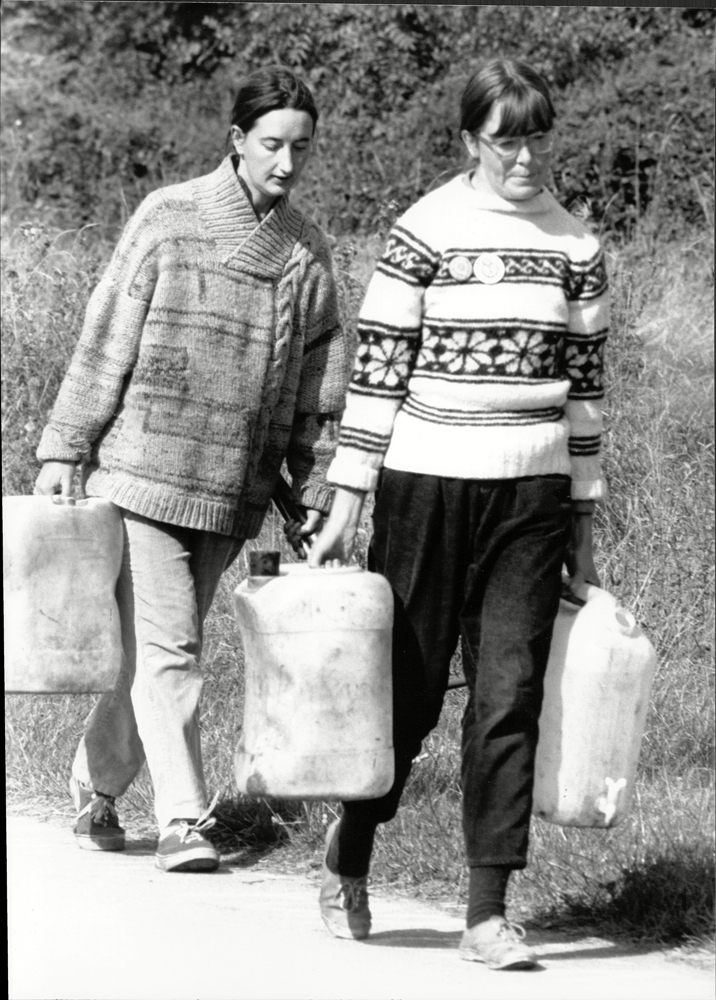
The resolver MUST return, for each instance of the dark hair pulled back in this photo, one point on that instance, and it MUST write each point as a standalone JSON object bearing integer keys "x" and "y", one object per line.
{"x": 270, "y": 89}
{"x": 522, "y": 91}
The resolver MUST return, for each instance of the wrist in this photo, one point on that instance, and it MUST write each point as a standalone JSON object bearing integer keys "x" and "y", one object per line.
{"x": 348, "y": 505}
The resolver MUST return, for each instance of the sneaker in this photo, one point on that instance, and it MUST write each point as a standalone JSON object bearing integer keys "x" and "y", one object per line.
{"x": 184, "y": 848}
{"x": 499, "y": 944}
{"x": 344, "y": 900}
{"x": 97, "y": 827}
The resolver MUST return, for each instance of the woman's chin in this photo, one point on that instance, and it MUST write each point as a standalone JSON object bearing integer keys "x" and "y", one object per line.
{"x": 522, "y": 190}
{"x": 278, "y": 188}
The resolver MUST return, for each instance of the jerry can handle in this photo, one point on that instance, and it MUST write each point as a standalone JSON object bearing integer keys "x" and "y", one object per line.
{"x": 64, "y": 501}
{"x": 569, "y": 597}
{"x": 289, "y": 509}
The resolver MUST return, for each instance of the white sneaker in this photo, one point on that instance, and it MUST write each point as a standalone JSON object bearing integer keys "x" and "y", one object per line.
{"x": 499, "y": 944}
{"x": 344, "y": 900}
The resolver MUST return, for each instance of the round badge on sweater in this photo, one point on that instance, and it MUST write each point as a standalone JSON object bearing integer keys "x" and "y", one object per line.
{"x": 489, "y": 268}
{"x": 460, "y": 268}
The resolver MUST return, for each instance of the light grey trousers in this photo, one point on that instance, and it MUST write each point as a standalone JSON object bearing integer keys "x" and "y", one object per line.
{"x": 168, "y": 580}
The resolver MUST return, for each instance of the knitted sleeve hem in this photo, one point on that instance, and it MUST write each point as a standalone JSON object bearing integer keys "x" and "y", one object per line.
{"x": 53, "y": 448}
{"x": 345, "y": 472}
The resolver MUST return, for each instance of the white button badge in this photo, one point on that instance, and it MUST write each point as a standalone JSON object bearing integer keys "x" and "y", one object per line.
{"x": 460, "y": 268}
{"x": 489, "y": 268}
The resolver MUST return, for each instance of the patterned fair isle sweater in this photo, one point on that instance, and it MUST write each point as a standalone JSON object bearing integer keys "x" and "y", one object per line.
{"x": 211, "y": 350}
{"x": 480, "y": 346}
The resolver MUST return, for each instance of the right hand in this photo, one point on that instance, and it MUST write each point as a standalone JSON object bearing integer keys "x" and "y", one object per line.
{"x": 300, "y": 534}
{"x": 334, "y": 545}
{"x": 55, "y": 477}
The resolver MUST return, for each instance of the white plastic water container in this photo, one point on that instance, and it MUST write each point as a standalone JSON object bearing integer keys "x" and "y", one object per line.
{"x": 318, "y": 700}
{"x": 596, "y": 698}
{"x": 61, "y": 563}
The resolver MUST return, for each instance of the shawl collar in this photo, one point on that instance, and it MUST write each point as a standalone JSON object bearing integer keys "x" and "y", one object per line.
{"x": 245, "y": 244}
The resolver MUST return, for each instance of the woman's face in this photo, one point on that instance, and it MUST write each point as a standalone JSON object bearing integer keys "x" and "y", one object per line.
{"x": 516, "y": 177}
{"x": 273, "y": 153}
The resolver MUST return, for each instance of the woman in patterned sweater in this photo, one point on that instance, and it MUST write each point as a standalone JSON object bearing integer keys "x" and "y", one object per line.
{"x": 475, "y": 410}
{"x": 210, "y": 351}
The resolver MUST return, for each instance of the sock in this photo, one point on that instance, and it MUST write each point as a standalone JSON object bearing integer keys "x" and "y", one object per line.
{"x": 351, "y": 847}
{"x": 486, "y": 894}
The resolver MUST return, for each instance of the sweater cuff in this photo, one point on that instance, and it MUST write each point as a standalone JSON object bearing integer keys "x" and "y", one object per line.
{"x": 344, "y": 471}
{"x": 52, "y": 448}
{"x": 588, "y": 489}
{"x": 317, "y": 497}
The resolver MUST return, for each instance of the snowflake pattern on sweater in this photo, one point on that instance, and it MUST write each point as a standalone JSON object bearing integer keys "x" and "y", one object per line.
{"x": 481, "y": 346}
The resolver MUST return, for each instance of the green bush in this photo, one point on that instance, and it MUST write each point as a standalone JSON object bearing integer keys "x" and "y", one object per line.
{"x": 636, "y": 143}
{"x": 103, "y": 102}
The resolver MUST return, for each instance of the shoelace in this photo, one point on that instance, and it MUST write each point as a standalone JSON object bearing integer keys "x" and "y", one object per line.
{"x": 355, "y": 893}
{"x": 188, "y": 832}
{"x": 511, "y": 931}
{"x": 101, "y": 809}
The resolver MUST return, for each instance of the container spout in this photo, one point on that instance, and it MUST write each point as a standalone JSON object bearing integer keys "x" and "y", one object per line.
{"x": 607, "y": 804}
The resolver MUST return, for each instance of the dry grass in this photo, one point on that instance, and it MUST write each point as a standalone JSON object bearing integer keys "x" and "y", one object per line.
{"x": 650, "y": 877}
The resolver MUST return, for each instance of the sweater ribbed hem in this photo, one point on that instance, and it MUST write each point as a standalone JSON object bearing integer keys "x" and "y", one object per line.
{"x": 160, "y": 503}
{"x": 469, "y": 452}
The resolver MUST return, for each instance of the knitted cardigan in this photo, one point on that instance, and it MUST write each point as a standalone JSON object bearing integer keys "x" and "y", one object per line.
{"x": 211, "y": 350}
{"x": 481, "y": 344}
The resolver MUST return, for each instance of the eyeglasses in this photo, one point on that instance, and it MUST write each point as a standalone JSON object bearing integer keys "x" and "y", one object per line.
{"x": 538, "y": 144}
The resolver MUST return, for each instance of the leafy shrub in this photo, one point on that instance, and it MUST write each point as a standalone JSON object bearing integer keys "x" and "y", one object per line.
{"x": 637, "y": 142}
{"x": 105, "y": 102}
{"x": 76, "y": 153}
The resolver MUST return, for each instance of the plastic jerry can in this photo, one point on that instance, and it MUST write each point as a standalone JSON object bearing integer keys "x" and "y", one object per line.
{"x": 596, "y": 698}
{"x": 61, "y": 562}
{"x": 318, "y": 700}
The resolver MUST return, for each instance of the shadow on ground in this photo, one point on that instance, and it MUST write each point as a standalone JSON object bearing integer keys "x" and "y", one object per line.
{"x": 415, "y": 937}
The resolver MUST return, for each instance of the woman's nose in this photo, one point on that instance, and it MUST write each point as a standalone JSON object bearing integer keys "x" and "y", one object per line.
{"x": 525, "y": 154}
{"x": 285, "y": 160}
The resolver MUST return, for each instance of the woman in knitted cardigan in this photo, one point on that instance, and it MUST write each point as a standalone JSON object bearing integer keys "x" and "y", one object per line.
{"x": 475, "y": 407}
{"x": 211, "y": 351}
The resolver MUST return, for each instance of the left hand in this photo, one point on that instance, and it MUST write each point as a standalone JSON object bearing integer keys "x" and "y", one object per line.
{"x": 298, "y": 533}
{"x": 580, "y": 556}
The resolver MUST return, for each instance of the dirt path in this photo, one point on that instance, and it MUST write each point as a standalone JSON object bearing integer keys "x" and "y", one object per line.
{"x": 90, "y": 926}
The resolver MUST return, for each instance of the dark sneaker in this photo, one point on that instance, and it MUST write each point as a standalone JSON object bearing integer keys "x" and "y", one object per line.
{"x": 499, "y": 944}
{"x": 184, "y": 848}
{"x": 344, "y": 900}
{"x": 97, "y": 827}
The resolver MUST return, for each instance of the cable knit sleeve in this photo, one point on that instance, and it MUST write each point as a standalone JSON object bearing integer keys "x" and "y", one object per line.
{"x": 586, "y": 336}
{"x": 107, "y": 348}
{"x": 322, "y": 386}
{"x": 389, "y": 329}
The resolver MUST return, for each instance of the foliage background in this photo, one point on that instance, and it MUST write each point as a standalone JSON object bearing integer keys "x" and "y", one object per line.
{"x": 103, "y": 102}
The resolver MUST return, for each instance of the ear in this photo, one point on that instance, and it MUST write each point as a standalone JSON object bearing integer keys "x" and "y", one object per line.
{"x": 471, "y": 144}
{"x": 238, "y": 138}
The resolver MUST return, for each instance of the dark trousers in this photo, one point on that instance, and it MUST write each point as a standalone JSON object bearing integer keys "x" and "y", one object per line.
{"x": 480, "y": 561}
